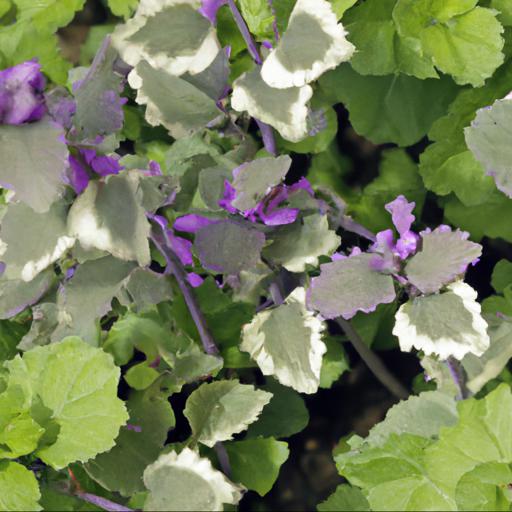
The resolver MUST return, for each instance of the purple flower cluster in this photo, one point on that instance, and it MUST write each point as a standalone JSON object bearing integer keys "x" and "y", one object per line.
{"x": 21, "y": 93}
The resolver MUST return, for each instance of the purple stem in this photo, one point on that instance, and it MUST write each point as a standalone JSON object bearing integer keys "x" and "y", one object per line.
{"x": 103, "y": 503}
{"x": 274, "y": 22}
{"x": 223, "y": 457}
{"x": 275, "y": 293}
{"x": 266, "y": 131}
{"x": 246, "y": 34}
{"x": 457, "y": 374}
{"x": 267, "y": 135}
{"x": 176, "y": 269}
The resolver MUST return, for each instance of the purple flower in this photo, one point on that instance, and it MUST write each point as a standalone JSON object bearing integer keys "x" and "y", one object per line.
{"x": 61, "y": 106}
{"x": 194, "y": 279}
{"x": 102, "y": 164}
{"x": 402, "y": 217}
{"x": 209, "y": 9}
{"x": 21, "y": 93}
{"x": 192, "y": 223}
{"x": 77, "y": 174}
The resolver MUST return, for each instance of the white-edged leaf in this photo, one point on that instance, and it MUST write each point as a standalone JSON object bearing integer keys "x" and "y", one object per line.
{"x": 187, "y": 482}
{"x": 488, "y": 139}
{"x": 284, "y": 109}
{"x": 169, "y": 34}
{"x": 347, "y": 286}
{"x": 220, "y": 409}
{"x": 45, "y": 239}
{"x": 313, "y": 43}
{"x": 34, "y": 160}
{"x": 171, "y": 101}
{"x": 446, "y": 324}
{"x": 109, "y": 217}
{"x": 444, "y": 255}
{"x": 298, "y": 245}
{"x": 286, "y": 342}
{"x": 254, "y": 180}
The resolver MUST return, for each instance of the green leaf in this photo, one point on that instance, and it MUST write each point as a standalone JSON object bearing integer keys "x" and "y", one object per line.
{"x": 505, "y": 11}
{"x": 286, "y": 342}
{"x": 44, "y": 321}
{"x": 344, "y": 498}
{"x": 487, "y": 141}
{"x": 461, "y": 39}
{"x": 392, "y": 108}
{"x": 184, "y": 112}
{"x": 151, "y": 417}
{"x": 300, "y": 244}
{"x": 252, "y": 180}
{"x": 255, "y": 463}
{"x": 10, "y": 335}
{"x": 45, "y": 239}
{"x": 146, "y": 288}
{"x": 77, "y": 385}
{"x": 334, "y": 363}
{"x": 34, "y": 160}
{"x": 479, "y": 437}
{"x": 421, "y": 415}
{"x": 349, "y": 285}
{"x": 141, "y": 376}
{"x": 398, "y": 174}
{"x": 395, "y": 476}
{"x": 285, "y": 415}
{"x": 220, "y": 409}
{"x": 258, "y": 16}
{"x": 187, "y": 482}
{"x": 123, "y": 8}
{"x": 87, "y": 296}
{"x": 446, "y": 324}
{"x": 110, "y": 218}
{"x": 501, "y": 275}
{"x": 47, "y": 15}
{"x": 380, "y": 49}
{"x": 228, "y": 247}
{"x": 19, "y": 490}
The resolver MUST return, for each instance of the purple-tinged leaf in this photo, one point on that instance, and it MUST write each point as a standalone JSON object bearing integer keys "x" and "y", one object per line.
{"x": 21, "y": 98}
{"x": 444, "y": 255}
{"x": 192, "y": 223}
{"x": 228, "y": 247}
{"x": 61, "y": 106}
{"x": 99, "y": 106}
{"x": 347, "y": 286}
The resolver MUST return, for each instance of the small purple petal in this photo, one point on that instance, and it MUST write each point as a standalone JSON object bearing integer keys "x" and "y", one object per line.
{"x": 192, "y": 223}
{"x": 133, "y": 428}
{"x": 153, "y": 169}
{"x": 302, "y": 184}
{"x": 21, "y": 98}
{"x": 181, "y": 247}
{"x": 78, "y": 177}
{"x": 280, "y": 217}
{"x": 407, "y": 245}
{"x": 102, "y": 164}
{"x": 194, "y": 279}
{"x": 401, "y": 214}
{"x": 209, "y": 9}
{"x": 228, "y": 198}
{"x": 61, "y": 106}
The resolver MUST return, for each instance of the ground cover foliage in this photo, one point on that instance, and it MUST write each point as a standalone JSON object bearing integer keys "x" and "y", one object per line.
{"x": 215, "y": 213}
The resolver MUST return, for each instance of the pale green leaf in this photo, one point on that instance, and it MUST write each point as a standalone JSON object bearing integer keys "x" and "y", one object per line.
{"x": 218, "y": 410}
{"x": 123, "y": 8}
{"x": 344, "y": 498}
{"x": 34, "y": 158}
{"x": 47, "y": 15}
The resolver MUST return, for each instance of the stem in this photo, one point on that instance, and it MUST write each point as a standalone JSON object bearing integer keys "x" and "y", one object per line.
{"x": 175, "y": 267}
{"x": 246, "y": 34}
{"x": 267, "y": 133}
{"x": 373, "y": 362}
{"x": 223, "y": 457}
{"x": 276, "y": 294}
{"x": 274, "y": 22}
{"x": 103, "y": 503}
{"x": 458, "y": 376}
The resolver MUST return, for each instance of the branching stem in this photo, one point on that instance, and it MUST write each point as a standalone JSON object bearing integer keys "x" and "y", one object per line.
{"x": 373, "y": 362}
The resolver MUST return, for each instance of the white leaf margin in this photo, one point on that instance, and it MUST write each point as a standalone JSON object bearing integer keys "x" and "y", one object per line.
{"x": 189, "y": 461}
{"x": 253, "y": 342}
{"x": 132, "y": 53}
{"x": 476, "y": 344}
{"x": 276, "y": 75}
